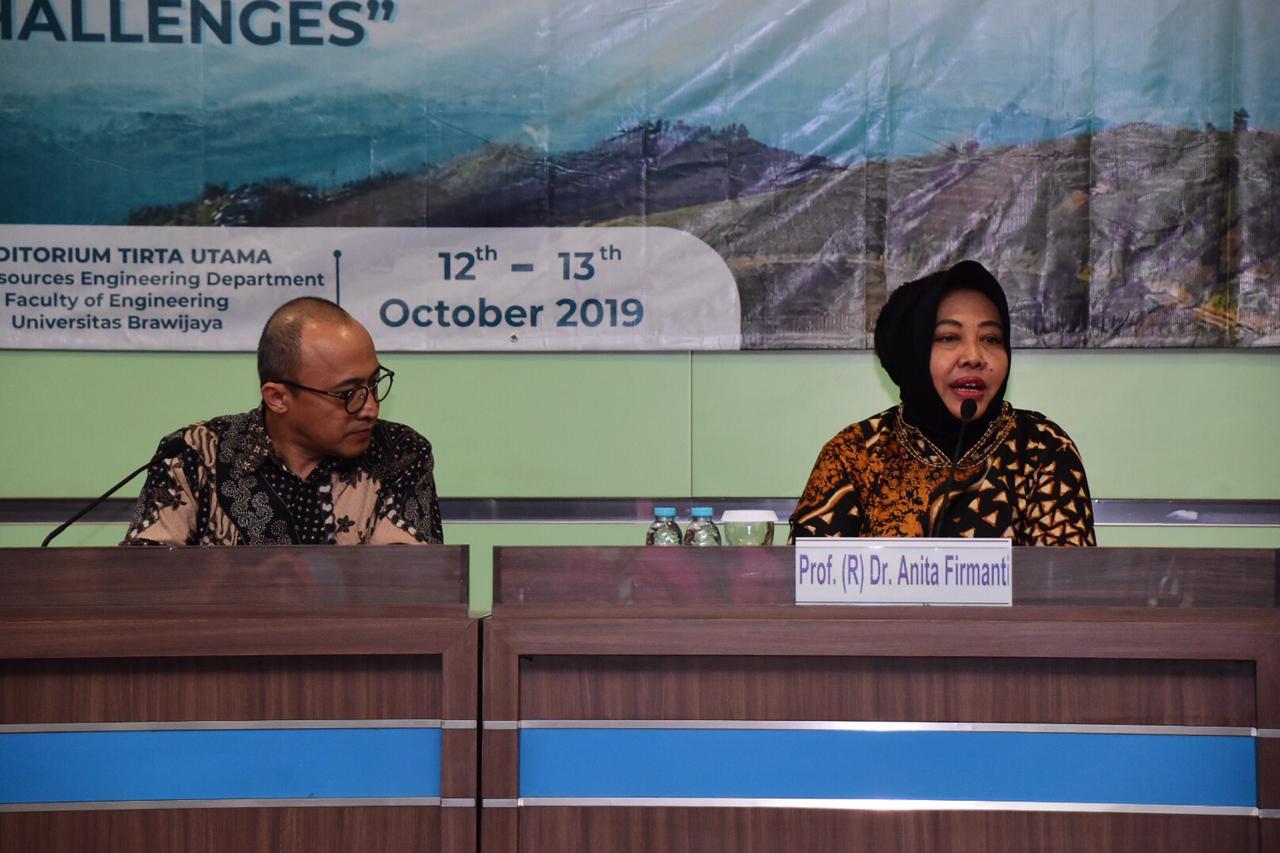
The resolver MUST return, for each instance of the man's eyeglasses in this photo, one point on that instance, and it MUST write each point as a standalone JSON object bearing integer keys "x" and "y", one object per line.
{"x": 354, "y": 399}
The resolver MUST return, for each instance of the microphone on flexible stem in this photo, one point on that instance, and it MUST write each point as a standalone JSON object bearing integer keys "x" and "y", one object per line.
{"x": 968, "y": 409}
{"x": 94, "y": 504}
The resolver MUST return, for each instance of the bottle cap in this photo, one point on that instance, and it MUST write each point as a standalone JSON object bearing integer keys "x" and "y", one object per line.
{"x": 664, "y": 512}
{"x": 700, "y": 512}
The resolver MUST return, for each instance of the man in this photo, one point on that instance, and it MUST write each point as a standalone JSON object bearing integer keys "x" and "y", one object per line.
{"x": 311, "y": 465}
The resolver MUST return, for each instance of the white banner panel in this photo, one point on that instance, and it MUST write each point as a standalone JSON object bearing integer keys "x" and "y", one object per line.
{"x": 415, "y": 289}
{"x": 904, "y": 571}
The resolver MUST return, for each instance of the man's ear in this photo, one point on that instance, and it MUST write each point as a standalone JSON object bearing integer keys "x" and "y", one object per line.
{"x": 276, "y": 397}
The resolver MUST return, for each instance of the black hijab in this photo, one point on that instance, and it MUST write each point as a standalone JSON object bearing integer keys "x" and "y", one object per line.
{"x": 904, "y": 342}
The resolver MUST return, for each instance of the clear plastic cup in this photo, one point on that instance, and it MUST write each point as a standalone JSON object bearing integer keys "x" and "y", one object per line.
{"x": 748, "y": 526}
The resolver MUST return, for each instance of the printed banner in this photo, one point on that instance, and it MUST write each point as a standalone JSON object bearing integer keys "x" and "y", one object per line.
{"x": 146, "y": 288}
{"x": 1114, "y": 164}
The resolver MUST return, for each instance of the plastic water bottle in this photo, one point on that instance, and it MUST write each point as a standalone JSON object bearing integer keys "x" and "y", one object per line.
{"x": 664, "y": 530}
{"x": 702, "y": 530}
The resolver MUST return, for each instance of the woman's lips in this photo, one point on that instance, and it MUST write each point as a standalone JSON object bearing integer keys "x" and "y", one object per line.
{"x": 969, "y": 387}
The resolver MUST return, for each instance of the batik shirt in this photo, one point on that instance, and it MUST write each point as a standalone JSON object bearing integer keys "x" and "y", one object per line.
{"x": 1023, "y": 480}
{"x": 221, "y": 482}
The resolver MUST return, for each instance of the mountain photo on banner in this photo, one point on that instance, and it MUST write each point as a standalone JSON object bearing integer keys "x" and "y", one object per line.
{"x": 1115, "y": 165}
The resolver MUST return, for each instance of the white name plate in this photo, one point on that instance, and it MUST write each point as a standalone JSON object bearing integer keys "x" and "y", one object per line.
{"x": 904, "y": 571}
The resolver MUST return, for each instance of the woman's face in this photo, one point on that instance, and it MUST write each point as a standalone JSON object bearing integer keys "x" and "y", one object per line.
{"x": 968, "y": 361}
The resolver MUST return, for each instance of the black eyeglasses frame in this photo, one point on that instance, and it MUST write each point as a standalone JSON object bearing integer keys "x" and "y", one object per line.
{"x": 352, "y": 393}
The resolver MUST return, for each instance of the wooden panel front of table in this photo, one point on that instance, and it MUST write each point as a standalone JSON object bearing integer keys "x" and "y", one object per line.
{"x": 191, "y": 664}
{"x": 594, "y": 642}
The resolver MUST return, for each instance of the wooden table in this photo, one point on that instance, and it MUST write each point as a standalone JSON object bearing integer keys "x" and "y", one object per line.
{"x": 239, "y": 699}
{"x": 660, "y": 699}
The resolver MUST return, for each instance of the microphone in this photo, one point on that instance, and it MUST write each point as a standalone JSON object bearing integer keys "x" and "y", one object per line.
{"x": 968, "y": 409}
{"x": 94, "y": 504}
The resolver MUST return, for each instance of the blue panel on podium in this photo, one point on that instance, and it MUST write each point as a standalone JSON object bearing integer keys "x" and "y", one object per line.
{"x": 103, "y": 766}
{"x": 1039, "y": 767}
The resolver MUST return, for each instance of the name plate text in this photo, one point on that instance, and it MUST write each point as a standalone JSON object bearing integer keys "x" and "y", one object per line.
{"x": 904, "y": 571}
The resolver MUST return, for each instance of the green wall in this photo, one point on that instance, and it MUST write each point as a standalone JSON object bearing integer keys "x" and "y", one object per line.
{"x": 1150, "y": 424}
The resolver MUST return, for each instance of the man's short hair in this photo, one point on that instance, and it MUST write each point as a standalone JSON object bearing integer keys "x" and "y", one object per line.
{"x": 280, "y": 347}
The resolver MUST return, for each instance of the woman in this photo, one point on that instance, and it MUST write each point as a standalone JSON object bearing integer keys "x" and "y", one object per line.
{"x": 953, "y": 458}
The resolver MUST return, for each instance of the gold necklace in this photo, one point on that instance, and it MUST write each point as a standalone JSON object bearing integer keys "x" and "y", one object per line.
{"x": 908, "y": 434}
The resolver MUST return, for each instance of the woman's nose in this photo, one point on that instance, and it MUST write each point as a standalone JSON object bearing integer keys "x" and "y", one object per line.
{"x": 971, "y": 353}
